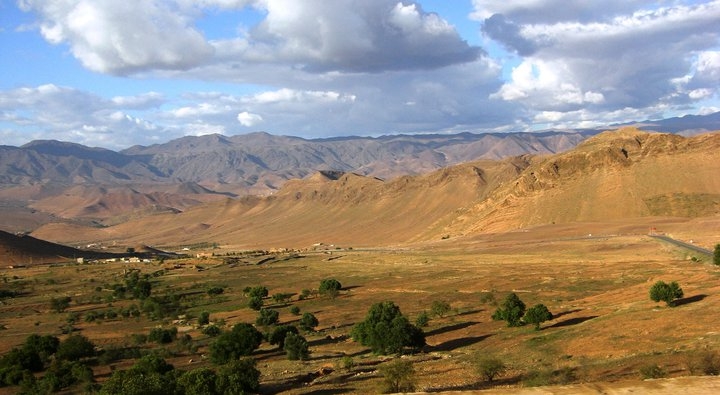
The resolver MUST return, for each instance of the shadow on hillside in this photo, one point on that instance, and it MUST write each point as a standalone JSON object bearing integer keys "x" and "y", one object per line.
{"x": 450, "y": 328}
{"x": 558, "y": 315}
{"x": 327, "y": 340}
{"x": 690, "y": 299}
{"x": 571, "y": 321}
{"x": 479, "y": 385}
{"x": 331, "y": 391}
{"x": 469, "y": 312}
{"x": 350, "y": 287}
{"x": 457, "y": 343}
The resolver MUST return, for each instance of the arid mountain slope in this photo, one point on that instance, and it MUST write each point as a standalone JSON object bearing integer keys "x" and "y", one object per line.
{"x": 625, "y": 174}
{"x": 614, "y": 175}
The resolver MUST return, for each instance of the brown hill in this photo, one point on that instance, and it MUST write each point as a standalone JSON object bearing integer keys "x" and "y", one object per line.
{"x": 27, "y": 250}
{"x": 615, "y": 176}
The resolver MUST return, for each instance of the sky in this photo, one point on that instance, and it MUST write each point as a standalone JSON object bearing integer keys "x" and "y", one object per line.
{"x": 116, "y": 73}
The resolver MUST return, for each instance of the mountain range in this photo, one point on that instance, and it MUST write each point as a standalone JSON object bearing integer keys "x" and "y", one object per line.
{"x": 46, "y": 182}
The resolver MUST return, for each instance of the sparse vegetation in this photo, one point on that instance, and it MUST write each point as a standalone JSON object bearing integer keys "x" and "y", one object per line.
{"x": 652, "y": 371}
{"x": 59, "y": 305}
{"x": 423, "y": 319}
{"x": 439, "y": 308}
{"x": 488, "y": 367}
{"x": 398, "y": 376}
{"x": 668, "y": 293}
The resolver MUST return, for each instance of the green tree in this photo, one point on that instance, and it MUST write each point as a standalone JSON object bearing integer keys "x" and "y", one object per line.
{"x": 258, "y": 291}
{"x": 267, "y": 317}
{"x": 308, "y": 322}
{"x": 277, "y": 337}
{"x": 200, "y": 381}
{"x": 423, "y": 319}
{"x": 162, "y": 336}
{"x": 150, "y": 375}
{"x": 662, "y": 291}
{"x": 255, "y": 302}
{"x": 329, "y": 287}
{"x": 386, "y": 331}
{"x": 511, "y": 310}
{"x": 716, "y": 255}
{"x": 238, "y": 377}
{"x": 296, "y": 347}
{"x": 242, "y": 340}
{"x": 537, "y": 314}
{"x": 439, "y": 308}
{"x": 75, "y": 347}
{"x": 295, "y": 310}
{"x": 489, "y": 368}
{"x": 398, "y": 376}
{"x": 204, "y": 318}
{"x": 59, "y": 305}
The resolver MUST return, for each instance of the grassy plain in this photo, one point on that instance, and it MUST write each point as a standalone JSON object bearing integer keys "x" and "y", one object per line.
{"x": 605, "y": 328}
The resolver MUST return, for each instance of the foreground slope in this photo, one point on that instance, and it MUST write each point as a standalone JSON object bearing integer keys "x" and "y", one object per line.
{"x": 616, "y": 176}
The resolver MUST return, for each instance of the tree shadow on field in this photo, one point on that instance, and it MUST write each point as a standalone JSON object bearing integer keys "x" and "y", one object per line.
{"x": 480, "y": 385}
{"x": 350, "y": 287}
{"x": 571, "y": 321}
{"x": 469, "y": 312}
{"x": 450, "y": 328}
{"x": 689, "y": 299}
{"x": 558, "y": 315}
{"x": 457, "y": 343}
{"x": 327, "y": 340}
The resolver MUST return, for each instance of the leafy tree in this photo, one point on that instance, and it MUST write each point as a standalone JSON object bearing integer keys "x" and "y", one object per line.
{"x": 716, "y": 254}
{"x": 439, "y": 308}
{"x": 308, "y": 322}
{"x": 200, "y": 381}
{"x": 142, "y": 289}
{"x": 258, "y": 291}
{"x": 211, "y": 330}
{"x": 204, "y": 318}
{"x": 150, "y": 375}
{"x": 295, "y": 310}
{"x": 662, "y": 291}
{"x": 278, "y": 335}
{"x": 162, "y": 336}
{"x": 75, "y": 347}
{"x": 329, "y": 287}
{"x": 281, "y": 297}
{"x": 267, "y": 317}
{"x": 386, "y": 331}
{"x": 59, "y": 305}
{"x": 238, "y": 377}
{"x": 214, "y": 291}
{"x": 398, "y": 376}
{"x": 242, "y": 340}
{"x": 296, "y": 347}
{"x": 44, "y": 346}
{"x": 489, "y": 368}
{"x": 537, "y": 314}
{"x": 511, "y": 310}
{"x": 255, "y": 302}
{"x": 423, "y": 319}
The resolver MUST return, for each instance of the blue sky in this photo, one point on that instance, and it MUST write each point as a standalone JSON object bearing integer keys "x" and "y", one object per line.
{"x": 117, "y": 73}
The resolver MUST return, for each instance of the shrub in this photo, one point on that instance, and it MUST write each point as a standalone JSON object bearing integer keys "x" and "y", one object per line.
{"x": 204, "y": 318}
{"x": 386, "y": 331}
{"x": 652, "y": 372}
{"x": 398, "y": 376}
{"x": 162, "y": 336}
{"x": 258, "y": 292}
{"x": 242, "y": 340}
{"x": 296, "y": 347}
{"x": 705, "y": 363}
{"x": 255, "y": 302}
{"x": 537, "y": 314}
{"x": 281, "y": 297}
{"x": 439, "y": 308}
{"x": 295, "y": 310}
{"x": 59, "y": 305}
{"x": 214, "y": 291}
{"x": 511, "y": 310}
{"x": 308, "y": 322}
{"x": 267, "y": 317}
{"x": 211, "y": 330}
{"x": 662, "y": 291}
{"x": 488, "y": 368}
{"x": 422, "y": 320}
{"x": 346, "y": 363}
